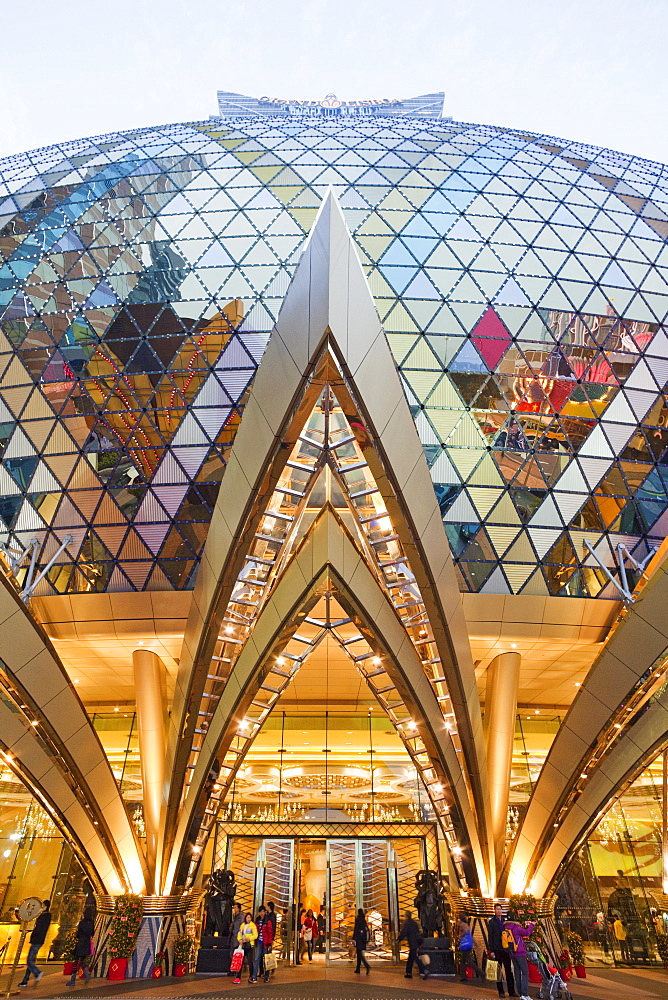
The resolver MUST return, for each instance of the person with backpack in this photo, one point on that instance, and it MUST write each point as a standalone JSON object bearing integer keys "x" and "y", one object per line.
{"x": 467, "y": 950}
{"x": 37, "y": 939}
{"x": 519, "y": 955}
{"x": 501, "y": 945}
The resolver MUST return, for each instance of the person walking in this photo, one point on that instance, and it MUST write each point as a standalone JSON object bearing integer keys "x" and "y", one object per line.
{"x": 411, "y": 934}
{"x": 495, "y": 928}
{"x": 82, "y": 949}
{"x": 265, "y": 939}
{"x": 519, "y": 955}
{"x": 322, "y": 928}
{"x": 310, "y": 932}
{"x": 467, "y": 950}
{"x": 361, "y": 939}
{"x": 247, "y": 937}
{"x": 619, "y": 928}
{"x": 272, "y": 915}
{"x": 37, "y": 939}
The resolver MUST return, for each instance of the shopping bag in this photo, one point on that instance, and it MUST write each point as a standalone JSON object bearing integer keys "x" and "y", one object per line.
{"x": 237, "y": 960}
{"x": 270, "y": 962}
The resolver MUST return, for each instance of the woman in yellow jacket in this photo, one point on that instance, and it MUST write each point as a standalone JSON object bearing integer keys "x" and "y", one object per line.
{"x": 247, "y": 937}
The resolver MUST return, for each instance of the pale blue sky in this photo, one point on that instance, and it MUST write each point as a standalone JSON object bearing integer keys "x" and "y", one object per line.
{"x": 592, "y": 70}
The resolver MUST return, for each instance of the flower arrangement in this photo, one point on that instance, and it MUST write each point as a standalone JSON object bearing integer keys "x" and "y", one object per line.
{"x": 576, "y": 948}
{"x": 565, "y": 959}
{"x": 524, "y": 908}
{"x": 125, "y": 924}
{"x": 662, "y": 945}
{"x": 184, "y": 950}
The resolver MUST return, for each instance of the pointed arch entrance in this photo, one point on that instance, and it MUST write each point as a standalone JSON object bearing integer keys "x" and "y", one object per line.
{"x": 328, "y": 418}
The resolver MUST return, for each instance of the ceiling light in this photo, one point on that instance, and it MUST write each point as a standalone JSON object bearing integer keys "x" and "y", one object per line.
{"x": 376, "y": 661}
{"x": 34, "y": 722}
{"x": 141, "y": 642}
{"x": 577, "y": 684}
{"x": 513, "y": 645}
{"x": 229, "y": 629}
{"x": 280, "y": 661}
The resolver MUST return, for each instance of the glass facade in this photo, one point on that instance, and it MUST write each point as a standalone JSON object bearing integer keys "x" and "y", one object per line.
{"x": 522, "y": 282}
{"x": 618, "y": 873}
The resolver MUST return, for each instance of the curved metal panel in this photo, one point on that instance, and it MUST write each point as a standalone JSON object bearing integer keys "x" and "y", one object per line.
{"x": 54, "y": 746}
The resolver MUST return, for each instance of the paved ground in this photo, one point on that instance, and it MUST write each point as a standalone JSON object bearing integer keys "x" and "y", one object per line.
{"x": 320, "y": 983}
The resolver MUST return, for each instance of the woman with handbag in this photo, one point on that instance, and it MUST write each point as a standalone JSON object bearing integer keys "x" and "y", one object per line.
{"x": 467, "y": 950}
{"x": 361, "y": 939}
{"x": 265, "y": 939}
{"x": 309, "y": 932}
{"x": 83, "y": 948}
{"x": 247, "y": 937}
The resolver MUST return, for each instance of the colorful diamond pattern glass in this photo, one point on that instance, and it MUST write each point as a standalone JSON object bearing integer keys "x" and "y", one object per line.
{"x": 522, "y": 282}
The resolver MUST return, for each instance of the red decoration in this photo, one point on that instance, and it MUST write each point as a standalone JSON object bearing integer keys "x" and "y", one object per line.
{"x": 156, "y": 972}
{"x": 180, "y": 970}
{"x": 68, "y": 968}
{"x": 534, "y": 974}
{"x": 117, "y": 968}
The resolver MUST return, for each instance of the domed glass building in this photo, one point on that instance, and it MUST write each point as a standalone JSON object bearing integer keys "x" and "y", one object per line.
{"x": 425, "y": 303}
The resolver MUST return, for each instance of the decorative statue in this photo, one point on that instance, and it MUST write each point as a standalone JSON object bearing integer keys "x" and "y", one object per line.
{"x": 220, "y": 892}
{"x": 431, "y": 906}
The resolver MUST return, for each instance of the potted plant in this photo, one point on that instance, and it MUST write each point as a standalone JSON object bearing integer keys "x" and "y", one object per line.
{"x": 525, "y": 908}
{"x": 69, "y": 945}
{"x": 125, "y": 924}
{"x": 576, "y": 949}
{"x": 157, "y": 971}
{"x": 184, "y": 948}
{"x": 564, "y": 963}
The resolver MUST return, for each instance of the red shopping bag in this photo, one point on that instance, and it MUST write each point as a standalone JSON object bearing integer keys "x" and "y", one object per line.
{"x": 237, "y": 960}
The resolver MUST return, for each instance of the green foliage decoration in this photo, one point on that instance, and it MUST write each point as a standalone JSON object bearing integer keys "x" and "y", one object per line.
{"x": 524, "y": 908}
{"x": 576, "y": 948}
{"x": 125, "y": 924}
{"x": 184, "y": 950}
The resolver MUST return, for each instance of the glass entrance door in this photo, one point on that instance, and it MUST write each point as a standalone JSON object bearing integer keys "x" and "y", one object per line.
{"x": 359, "y": 878}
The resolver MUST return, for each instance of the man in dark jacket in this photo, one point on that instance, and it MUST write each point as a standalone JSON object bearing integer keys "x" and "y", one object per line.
{"x": 37, "y": 939}
{"x": 495, "y": 928}
{"x": 411, "y": 934}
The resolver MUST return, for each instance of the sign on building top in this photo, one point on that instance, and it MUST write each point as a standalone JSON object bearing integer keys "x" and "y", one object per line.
{"x": 425, "y": 106}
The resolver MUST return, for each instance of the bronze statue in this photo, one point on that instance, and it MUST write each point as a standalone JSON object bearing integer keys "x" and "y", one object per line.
{"x": 430, "y": 903}
{"x": 220, "y": 892}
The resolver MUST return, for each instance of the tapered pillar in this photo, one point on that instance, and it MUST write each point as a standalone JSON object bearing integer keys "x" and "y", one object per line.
{"x": 503, "y": 678}
{"x": 151, "y": 698}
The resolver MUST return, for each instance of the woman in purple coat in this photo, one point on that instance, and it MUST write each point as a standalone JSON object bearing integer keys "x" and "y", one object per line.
{"x": 519, "y": 956}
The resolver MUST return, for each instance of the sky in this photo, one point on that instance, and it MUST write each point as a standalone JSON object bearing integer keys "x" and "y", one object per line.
{"x": 587, "y": 70}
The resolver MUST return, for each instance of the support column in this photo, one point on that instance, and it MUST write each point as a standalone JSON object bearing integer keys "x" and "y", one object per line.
{"x": 503, "y": 678}
{"x": 151, "y": 699}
